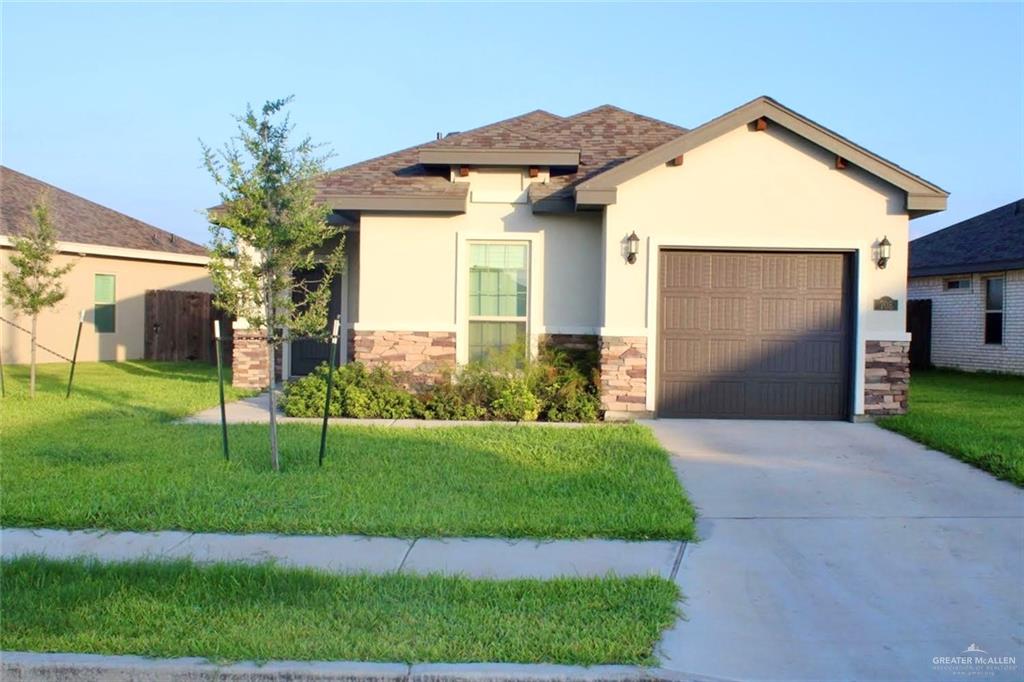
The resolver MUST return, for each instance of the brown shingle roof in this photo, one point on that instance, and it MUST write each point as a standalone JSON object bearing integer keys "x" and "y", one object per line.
{"x": 605, "y": 136}
{"x": 80, "y": 220}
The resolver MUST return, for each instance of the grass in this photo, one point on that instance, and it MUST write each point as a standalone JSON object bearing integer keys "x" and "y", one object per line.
{"x": 978, "y": 418}
{"x": 230, "y": 613}
{"x": 111, "y": 457}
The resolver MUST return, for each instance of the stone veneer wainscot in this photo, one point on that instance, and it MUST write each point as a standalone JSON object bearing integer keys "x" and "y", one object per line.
{"x": 420, "y": 357}
{"x": 886, "y": 377}
{"x": 623, "y": 375}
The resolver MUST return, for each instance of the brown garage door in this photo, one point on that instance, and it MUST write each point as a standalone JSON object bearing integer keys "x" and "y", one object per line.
{"x": 753, "y": 335}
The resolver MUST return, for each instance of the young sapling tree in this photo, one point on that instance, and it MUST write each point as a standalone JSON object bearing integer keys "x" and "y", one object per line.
{"x": 35, "y": 283}
{"x": 274, "y": 252}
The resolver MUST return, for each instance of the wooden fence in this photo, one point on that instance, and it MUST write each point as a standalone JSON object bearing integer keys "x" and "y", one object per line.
{"x": 179, "y": 326}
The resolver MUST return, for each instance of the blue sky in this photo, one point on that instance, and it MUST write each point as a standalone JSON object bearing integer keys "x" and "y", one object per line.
{"x": 109, "y": 100}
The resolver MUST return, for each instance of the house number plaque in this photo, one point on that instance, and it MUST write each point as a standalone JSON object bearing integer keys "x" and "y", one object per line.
{"x": 886, "y": 303}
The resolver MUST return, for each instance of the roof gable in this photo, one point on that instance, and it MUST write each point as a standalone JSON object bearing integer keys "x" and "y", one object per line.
{"x": 81, "y": 221}
{"x": 993, "y": 240}
{"x": 922, "y": 196}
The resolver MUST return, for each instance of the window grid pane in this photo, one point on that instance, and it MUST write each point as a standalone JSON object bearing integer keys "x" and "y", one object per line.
{"x": 994, "y": 293}
{"x": 486, "y": 338}
{"x": 498, "y": 288}
{"x": 104, "y": 287}
{"x": 104, "y": 318}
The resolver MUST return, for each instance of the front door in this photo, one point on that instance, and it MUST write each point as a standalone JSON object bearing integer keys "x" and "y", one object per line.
{"x": 307, "y": 353}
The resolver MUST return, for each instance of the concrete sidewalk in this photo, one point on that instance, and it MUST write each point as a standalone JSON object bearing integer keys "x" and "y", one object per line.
{"x": 62, "y": 667}
{"x": 256, "y": 410}
{"x": 472, "y": 557}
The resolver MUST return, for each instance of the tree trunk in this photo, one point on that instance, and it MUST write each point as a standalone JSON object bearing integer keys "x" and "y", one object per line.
{"x": 32, "y": 360}
{"x": 275, "y": 462}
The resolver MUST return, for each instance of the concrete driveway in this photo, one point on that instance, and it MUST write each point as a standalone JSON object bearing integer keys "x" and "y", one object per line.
{"x": 838, "y": 551}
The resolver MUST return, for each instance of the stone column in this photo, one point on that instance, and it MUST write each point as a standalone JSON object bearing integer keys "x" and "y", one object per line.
{"x": 624, "y": 377}
{"x": 249, "y": 360}
{"x": 886, "y": 377}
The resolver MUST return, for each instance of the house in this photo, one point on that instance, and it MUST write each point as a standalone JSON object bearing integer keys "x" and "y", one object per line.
{"x": 116, "y": 260}
{"x": 968, "y": 281}
{"x": 754, "y": 266}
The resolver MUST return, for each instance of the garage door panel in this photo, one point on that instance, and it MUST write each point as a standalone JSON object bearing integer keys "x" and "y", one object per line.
{"x": 727, "y": 356}
{"x": 779, "y": 272}
{"x": 684, "y": 312}
{"x": 781, "y": 314}
{"x": 824, "y": 314}
{"x": 778, "y": 356}
{"x": 825, "y": 271}
{"x": 682, "y": 396}
{"x": 685, "y": 271}
{"x": 684, "y": 355}
{"x": 728, "y": 313}
{"x": 758, "y": 335}
{"x": 730, "y": 271}
{"x": 726, "y": 398}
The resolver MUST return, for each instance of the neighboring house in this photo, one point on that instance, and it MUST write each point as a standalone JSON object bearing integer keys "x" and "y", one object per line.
{"x": 973, "y": 275}
{"x": 116, "y": 260}
{"x": 731, "y": 270}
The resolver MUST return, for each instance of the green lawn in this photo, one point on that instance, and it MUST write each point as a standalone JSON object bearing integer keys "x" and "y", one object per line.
{"x": 228, "y": 613}
{"x": 110, "y": 457}
{"x": 978, "y": 418}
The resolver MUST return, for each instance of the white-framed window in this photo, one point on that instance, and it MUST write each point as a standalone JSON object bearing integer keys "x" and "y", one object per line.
{"x": 994, "y": 288}
{"x": 957, "y": 284}
{"x": 499, "y": 287}
{"x": 105, "y": 303}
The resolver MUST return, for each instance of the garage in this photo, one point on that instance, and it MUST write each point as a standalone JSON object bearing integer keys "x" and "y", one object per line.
{"x": 754, "y": 335}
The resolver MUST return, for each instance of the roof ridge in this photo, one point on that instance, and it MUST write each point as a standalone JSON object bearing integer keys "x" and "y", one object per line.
{"x": 613, "y": 107}
{"x": 174, "y": 237}
{"x": 428, "y": 143}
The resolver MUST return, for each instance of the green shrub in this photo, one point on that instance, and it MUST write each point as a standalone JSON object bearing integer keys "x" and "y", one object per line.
{"x": 516, "y": 402}
{"x": 557, "y": 386}
{"x": 358, "y": 392}
{"x": 447, "y": 400}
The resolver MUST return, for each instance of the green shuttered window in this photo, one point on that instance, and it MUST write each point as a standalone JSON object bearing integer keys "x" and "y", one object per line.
{"x": 104, "y": 308}
{"x": 498, "y": 289}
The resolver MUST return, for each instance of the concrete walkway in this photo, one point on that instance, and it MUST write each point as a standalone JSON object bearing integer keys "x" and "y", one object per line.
{"x": 837, "y": 551}
{"x": 472, "y": 557}
{"x": 256, "y": 410}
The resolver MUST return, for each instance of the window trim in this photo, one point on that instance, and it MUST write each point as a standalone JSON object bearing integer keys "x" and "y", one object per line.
{"x": 524, "y": 319}
{"x": 1001, "y": 311}
{"x": 949, "y": 280}
{"x": 96, "y": 304}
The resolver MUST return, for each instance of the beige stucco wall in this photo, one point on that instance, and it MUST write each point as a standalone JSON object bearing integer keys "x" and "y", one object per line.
{"x": 756, "y": 190}
{"x": 413, "y": 271}
{"x": 57, "y": 326}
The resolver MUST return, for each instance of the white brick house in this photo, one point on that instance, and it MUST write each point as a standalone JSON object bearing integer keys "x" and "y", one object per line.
{"x": 973, "y": 274}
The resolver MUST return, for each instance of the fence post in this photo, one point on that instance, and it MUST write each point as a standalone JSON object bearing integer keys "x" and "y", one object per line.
{"x": 331, "y": 351}
{"x": 220, "y": 381}
{"x": 74, "y": 355}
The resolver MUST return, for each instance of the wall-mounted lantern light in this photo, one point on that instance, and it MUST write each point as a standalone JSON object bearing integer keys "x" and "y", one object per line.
{"x": 884, "y": 251}
{"x": 632, "y": 247}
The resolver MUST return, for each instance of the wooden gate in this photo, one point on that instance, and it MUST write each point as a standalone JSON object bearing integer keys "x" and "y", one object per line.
{"x": 919, "y": 324}
{"x": 179, "y": 326}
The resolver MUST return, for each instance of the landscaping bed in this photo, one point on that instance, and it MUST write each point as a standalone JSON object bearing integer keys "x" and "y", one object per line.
{"x": 557, "y": 386}
{"x": 978, "y": 418}
{"x": 112, "y": 457}
{"x": 229, "y": 612}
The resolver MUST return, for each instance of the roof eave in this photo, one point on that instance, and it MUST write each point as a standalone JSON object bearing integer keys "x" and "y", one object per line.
{"x": 454, "y": 156}
{"x": 411, "y": 203}
{"x": 966, "y": 268}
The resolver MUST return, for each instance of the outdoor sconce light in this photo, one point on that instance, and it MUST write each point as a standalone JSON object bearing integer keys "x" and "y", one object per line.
{"x": 632, "y": 247}
{"x": 884, "y": 251}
